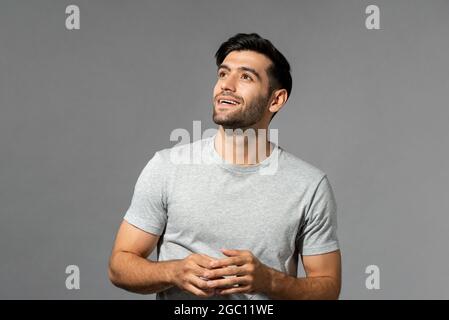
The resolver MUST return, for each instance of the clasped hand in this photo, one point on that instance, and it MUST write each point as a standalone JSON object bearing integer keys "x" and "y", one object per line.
{"x": 239, "y": 272}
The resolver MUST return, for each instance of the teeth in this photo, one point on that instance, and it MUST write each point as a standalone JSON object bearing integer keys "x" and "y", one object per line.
{"x": 228, "y": 101}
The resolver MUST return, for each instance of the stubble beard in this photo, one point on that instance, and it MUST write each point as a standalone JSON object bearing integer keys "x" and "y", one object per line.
{"x": 247, "y": 116}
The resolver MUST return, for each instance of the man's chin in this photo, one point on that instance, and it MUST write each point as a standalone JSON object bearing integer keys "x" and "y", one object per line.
{"x": 227, "y": 123}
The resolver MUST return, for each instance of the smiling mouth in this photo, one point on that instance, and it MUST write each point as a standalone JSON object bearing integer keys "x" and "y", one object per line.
{"x": 227, "y": 103}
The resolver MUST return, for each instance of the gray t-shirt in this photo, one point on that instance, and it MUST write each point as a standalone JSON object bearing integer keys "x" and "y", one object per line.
{"x": 279, "y": 214}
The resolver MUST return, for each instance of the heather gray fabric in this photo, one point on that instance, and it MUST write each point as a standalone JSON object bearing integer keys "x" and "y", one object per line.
{"x": 200, "y": 208}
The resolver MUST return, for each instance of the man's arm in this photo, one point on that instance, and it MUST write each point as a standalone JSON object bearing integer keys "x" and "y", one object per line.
{"x": 129, "y": 268}
{"x": 323, "y": 279}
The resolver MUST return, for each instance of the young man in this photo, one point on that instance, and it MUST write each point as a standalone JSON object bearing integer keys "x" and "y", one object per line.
{"x": 223, "y": 228}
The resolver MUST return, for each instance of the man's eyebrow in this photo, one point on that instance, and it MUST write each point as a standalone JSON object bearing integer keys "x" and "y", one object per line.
{"x": 224, "y": 66}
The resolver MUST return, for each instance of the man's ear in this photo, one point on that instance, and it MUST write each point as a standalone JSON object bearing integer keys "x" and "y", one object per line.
{"x": 279, "y": 98}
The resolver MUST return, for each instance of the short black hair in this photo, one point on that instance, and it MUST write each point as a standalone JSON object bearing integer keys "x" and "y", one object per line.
{"x": 278, "y": 73}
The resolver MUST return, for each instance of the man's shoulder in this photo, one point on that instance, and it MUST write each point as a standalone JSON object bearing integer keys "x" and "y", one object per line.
{"x": 297, "y": 166}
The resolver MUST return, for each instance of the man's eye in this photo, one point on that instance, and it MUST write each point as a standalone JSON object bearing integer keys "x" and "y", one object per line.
{"x": 246, "y": 77}
{"x": 221, "y": 74}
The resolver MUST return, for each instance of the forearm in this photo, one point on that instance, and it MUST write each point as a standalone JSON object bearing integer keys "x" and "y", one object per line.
{"x": 136, "y": 274}
{"x": 285, "y": 287}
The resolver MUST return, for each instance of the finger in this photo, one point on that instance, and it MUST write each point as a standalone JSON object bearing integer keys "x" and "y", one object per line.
{"x": 213, "y": 278}
{"x": 225, "y": 262}
{"x": 226, "y": 271}
{"x": 204, "y": 274}
{"x": 198, "y": 292}
{"x": 204, "y": 260}
{"x": 228, "y": 282}
{"x": 198, "y": 270}
{"x": 241, "y": 289}
{"x": 198, "y": 282}
{"x": 233, "y": 252}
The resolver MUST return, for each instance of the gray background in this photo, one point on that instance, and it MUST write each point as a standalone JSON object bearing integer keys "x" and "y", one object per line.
{"x": 83, "y": 111}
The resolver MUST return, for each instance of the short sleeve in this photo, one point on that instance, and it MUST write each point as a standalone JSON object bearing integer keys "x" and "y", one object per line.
{"x": 148, "y": 205}
{"x": 318, "y": 232}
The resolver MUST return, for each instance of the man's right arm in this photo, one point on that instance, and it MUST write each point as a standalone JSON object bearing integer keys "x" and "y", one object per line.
{"x": 130, "y": 269}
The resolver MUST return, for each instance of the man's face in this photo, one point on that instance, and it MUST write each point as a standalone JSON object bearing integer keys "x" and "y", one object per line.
{"x": 241, "y": 94}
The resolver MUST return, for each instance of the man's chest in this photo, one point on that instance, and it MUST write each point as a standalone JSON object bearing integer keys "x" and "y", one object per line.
{"x": 254, "y": 211}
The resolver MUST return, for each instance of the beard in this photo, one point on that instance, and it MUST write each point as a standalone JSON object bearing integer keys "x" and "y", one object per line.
{"x": 245, "y": 117}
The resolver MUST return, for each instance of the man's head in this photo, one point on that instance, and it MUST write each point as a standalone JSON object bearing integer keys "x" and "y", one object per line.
{"x": 255, "y": 77}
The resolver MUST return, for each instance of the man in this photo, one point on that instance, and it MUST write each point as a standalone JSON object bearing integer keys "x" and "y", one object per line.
{"x": 223, "y": 229}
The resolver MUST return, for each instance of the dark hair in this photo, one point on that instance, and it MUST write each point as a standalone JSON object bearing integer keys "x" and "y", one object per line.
{"x": 278, "y": 73}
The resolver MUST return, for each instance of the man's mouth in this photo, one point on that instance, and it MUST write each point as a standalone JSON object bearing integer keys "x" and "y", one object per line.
{"x": 227, "y": 102}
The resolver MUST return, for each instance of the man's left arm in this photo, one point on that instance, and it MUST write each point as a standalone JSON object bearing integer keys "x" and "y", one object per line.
{"x": 322, "y": 281}
{"x": 249, "y": 275}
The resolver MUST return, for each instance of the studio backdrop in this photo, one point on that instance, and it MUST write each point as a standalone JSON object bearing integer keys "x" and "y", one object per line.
{"x": 90, "y": 90}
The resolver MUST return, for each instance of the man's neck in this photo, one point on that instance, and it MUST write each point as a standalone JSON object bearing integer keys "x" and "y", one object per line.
{"x": 244, "y": 147}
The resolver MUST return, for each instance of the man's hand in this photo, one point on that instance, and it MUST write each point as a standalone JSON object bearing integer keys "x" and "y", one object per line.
{"x": 190, "y": 272}
{"x": 249, "y": 274}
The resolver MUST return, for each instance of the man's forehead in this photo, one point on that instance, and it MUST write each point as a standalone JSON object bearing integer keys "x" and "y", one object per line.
{"x": 250, "y": 59}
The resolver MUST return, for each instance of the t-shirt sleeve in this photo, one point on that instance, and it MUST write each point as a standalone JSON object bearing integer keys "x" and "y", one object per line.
{"x": 318, "y": 232}
{"x": 148, "y": 205}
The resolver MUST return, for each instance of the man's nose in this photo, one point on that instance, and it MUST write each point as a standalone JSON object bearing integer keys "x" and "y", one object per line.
{"x": 228, "y": 84}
